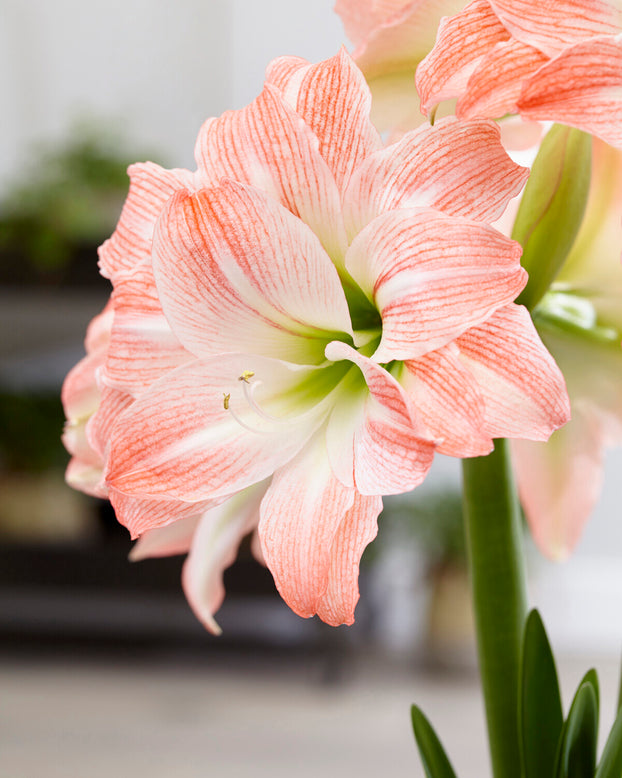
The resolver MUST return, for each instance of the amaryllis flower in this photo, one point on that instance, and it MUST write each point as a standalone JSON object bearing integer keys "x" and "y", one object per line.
{"x": 553, "y": 61}
{"x": 391, "y": 37}
{"x": 301, "y": 324}
{"x": 581, "y": 323}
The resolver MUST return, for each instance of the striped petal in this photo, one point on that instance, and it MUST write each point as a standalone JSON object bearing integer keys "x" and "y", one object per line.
{"x": 459, "y": 168}
{"x": 236, "y": 271}
{"x": 144, "y": 515}
{"x": 150, "y": 188}
{"x": 268, "y": 146}
{"x": 334, "y": 100}
{"x": 581, "y": 87}
{"x": 523, "y": 389}
{"x": 311, "y": 555}
{"x": 432, "y": 277}
{"x": 142, "y": 345}
{"x": 213, "y": 427}
{"x": 553, "y": 26}
{"x": 169, "y": 540}
{"x": 461, "y": 42}
{"x": 495, "y": 86}
{"x": 374, "y": 436}
{"x": 448, "y": 402}
{"x": 214, "y": 548}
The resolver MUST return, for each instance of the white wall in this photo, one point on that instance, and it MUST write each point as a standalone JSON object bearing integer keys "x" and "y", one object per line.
{"x": 155, "y": 69}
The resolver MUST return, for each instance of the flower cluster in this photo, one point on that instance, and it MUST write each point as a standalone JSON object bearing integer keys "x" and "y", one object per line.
{"x": 296, "y": 328}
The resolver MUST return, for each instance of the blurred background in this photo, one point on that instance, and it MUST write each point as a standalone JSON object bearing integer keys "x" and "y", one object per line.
{"x": 103, "y": 668}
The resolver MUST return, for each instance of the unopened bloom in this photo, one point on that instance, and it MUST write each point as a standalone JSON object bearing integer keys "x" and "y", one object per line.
{"x": 581, "y": 323}
{"x": 551, "y": 61}
{"x": 302, "y": 323}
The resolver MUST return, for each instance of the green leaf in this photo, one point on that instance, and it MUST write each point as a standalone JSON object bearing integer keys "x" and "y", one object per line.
{"x": 540, "y": 717}
{"x": 610, "y": 765}
{"x": 620, "y": 692}
{"x": 435, "y": 761}
{"x": 576, "y": 756}
{"x": 552, "y": 207}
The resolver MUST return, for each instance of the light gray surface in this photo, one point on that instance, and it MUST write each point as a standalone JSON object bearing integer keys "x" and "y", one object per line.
{"x": 95, "y": 721}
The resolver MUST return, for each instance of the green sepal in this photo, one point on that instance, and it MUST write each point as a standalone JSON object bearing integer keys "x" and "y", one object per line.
{"x": 576, "y": 755}
{"x": 610, "y": 765}
{"x": 433, "y": 756}
{"x": 540, "y": 707}
{"x": 552, "y": 207}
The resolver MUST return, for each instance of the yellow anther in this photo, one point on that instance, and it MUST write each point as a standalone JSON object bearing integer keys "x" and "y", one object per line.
{"x": 226, "y": 397}
{"x": 246, "y": 375}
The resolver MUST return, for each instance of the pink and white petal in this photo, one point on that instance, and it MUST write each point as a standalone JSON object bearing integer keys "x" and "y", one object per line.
{"x": 214, "y": 548}
{"x": 449, "y": 402}
{"x": 432, "y": 277}
{"x": 361, "y": 18}
{"x": 553, "y": 26}
{"x": 522, "y": 387}
{"x": 495, "y": 86}
{"x": 374, "y": 431}
{"x": 300, "y": 518}
{"x": 560, "y": 482}
{"x": 404, "y": 38}
{"x": 237, "y": 272}
{"x": 581, "y": 87}
{"x": 113, "y": 402}
{"x": 456, "y": 167}
{"x": 213, "y": 427}
{"x": 130, "y": 244}
{"x": 335, "y": 102}
{"x": 80, "y": 392}
{"x": 140, "y": 515}
{"x": 169, "y": 540}
{"x": 98, "y": 330}
{"x": 267, "y": 146}
{"x": 461, "y": 42}
{"x": 143, "y": 346}
{"x": 85, "y": 478}
{"x": 286, "y": 74}
{"x": 357, "y": 529}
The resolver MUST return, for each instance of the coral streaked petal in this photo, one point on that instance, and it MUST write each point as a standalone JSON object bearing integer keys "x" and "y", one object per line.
{"x": 495, "y": 86}
{"x": 448, "y": 401}
{"x": 581, "y": 87}
{"x": 214, "y": 548}
{"x": 459, "y": 168}
{"x": 99, "y": 426}
{"x": 522, "y": 387}
{"x": 461, "y": 42}
{"x": 150, "y": 188}
{"x": 144, "y": 514}
{"x": 560, "y": 482}
{"x": 234, "y": 267}
{"x": 446, "y": 274}
{"x": 357, "y": 529}
{"x": 203, "y": 432}
{"x": 169, "y": 540}
{"x": 268, "y": 146}
{"x": 142, "y": 345}
{"x": 334, "y": 101}
{"x": 300, "y": 518}
{"x": 553, "y": 26}
{"x": 378, "y": 432}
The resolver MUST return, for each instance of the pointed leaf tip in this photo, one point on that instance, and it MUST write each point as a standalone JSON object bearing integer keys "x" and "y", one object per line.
{"x": 435, "y": 761}
{"x": 540, "y": 714}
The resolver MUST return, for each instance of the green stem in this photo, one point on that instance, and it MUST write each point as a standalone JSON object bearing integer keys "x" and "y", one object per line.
{"x": 494, "y": 544}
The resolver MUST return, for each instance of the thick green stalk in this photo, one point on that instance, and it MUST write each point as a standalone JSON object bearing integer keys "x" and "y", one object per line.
{"x": 494, "y": 544}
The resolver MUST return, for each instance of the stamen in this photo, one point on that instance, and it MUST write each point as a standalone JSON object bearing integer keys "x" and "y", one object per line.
{"x": 227, "y": 397}
{"x": 248, "y": 393}
{"x": 246, "y": 375}
{"x": 249, "y": 388}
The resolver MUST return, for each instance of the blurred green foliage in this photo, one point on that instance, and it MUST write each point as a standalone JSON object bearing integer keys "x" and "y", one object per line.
{"x": 30, "y": 428}
{"x": 68, "y": 198}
